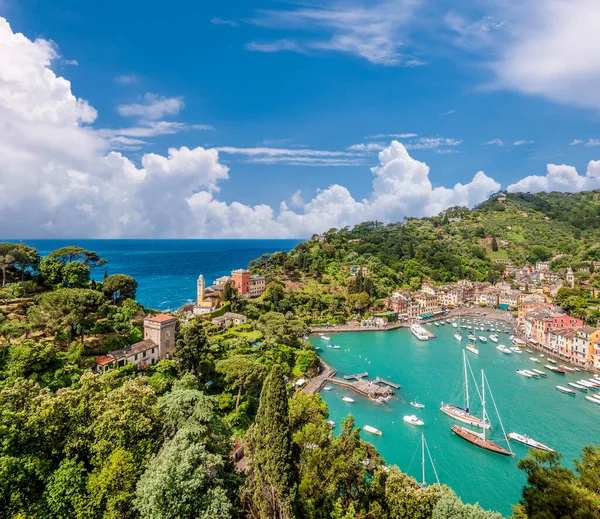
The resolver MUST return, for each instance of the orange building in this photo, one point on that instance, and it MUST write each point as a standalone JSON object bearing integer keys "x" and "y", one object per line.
{"x": 241, "y": 280}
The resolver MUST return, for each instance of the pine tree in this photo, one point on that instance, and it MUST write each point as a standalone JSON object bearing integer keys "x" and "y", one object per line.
{"x": 272, "y": 482}
{"x": 494, "y": 244}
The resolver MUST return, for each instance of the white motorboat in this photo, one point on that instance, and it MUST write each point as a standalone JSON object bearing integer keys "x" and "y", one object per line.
{"x": 455, "y": 325}
{"x": 503, "y": 349}
{"x": 330, "y": 424}
{"x": 333, "y": 346}
{"x": 482, "y": 338}
{"x": 585, "y": 383}
{"x": 348, "y": 399}
{"x": 566, "y": 390}
{"x": 328, "y": 388}
{"x": 532, "y": 373}
{"x": 372, "y": 430}
{"x": 472, "y": 349}
{"x": 567, "y": 368}
{"x": 551, "y": 361}
{"x": 593, "y": 398}
{"x": 533, "y": 359}
{"x": 419, "y": 332}
{"x": 325, "y": 338}
{"x": 530, "y": 442}
{"x": 413, "y": 420}
{"x": 579, "y": 387}
{"x": 416, "y": 404}
{"x": 516, "y": 350}
{"x": 494, "y": 338}
{"x": 471, "y": 337}
{"x": 540, "y": 372}
{"x": 458, "y": 336}
{"x": 437, "y": 324}
{"x": 523, "y": 373}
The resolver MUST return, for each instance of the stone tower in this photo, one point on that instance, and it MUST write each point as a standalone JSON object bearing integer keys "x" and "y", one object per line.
{"x": 161, "y": 330}
{"x": 200, "y": 289}
{"x": 570, "y": 277}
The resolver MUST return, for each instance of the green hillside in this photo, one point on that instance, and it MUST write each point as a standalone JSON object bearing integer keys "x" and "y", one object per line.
{"x": 459, "y": 243}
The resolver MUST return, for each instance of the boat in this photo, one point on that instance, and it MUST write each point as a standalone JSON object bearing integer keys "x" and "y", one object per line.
{"x": 524, "y": 373}
{"x": 551, "y": 361}
{"x": 478, "y": 438}
{"x": 325, "y": 338}
{"x": 516, "y": 350}
{"x": 372, "y": 430}
{"x": 423, "y": 447}
{"x": 348, "y": 399}
{"x": 333, "y": 346}
{"x": 437, "y": 324}
{"x": 540, "y": 372}
{"x": 472, "y": 349}
{"x": 458, "y": 336}
{"x": 530, "y": 442}
{"x": 587, "y": 384}
{"x": 566, "y": 390}
{"x": 556, "y": 369}
{"x": 330, "y": 424}
{"x": 462, "y": 414}
{"x": 592, "y": 398}
{"x": 482, "y": 338}
{"x": 534, "y": 359}
{"x": 471, "y": 337}
{"x": 416, "y": 404}
{"x": 494, "y": 338}
{"x": 531, "y": 373}
{"x": 503, "y": 349}
{"x": 419, "y": 332}
{"x": 594, "y": 381}
{"x": 529, "y": 351}
{"x": 413, "y": 420}
{"x": 455, "y": 325}
{"x": 328, "y": 388}
{"x": 567, "y": 368}
{"x": 578, "y": 386}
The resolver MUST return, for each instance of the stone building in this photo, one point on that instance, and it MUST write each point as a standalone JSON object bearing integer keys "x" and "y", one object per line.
{"x": 257, "y": 285}
{"x": 229, "y": 319}
{"x": 241, "y": 280}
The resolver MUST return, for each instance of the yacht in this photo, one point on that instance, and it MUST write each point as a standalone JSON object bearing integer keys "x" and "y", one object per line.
{"x": 579, "y": 387}
{"x": 325, "y": 338}
{"x": 471, "y": 337}
{"x": 419, "y": 332}
{"x": 524, "y": 373}
{"x": 482, "y": 338}
{"x": 372, "y": 430}
{"x": 413, "y": 420}
{"x": 566, "y": 390}
{"x": 494, "y": 338}
{"x": 503, "y": 349}
{"x": 516, "y": 350}
{"x": 540, "y": 372}
{"x": 530, "y": 442}
{"x": 593, "y": 398}
{"x": 348, "y": 399}
{"x": 533, "y": 359}
{"x": 472, "y": 349}
{"x": 556, "y": 369}
{"x": 416, "y": 404}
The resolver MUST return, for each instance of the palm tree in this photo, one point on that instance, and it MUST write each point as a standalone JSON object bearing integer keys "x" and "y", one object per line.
{"x": 5, "y": 261}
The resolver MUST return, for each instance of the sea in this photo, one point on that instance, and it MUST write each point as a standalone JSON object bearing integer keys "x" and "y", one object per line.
{"x": 431, "y": 372}
{"x": 167, "y": 270}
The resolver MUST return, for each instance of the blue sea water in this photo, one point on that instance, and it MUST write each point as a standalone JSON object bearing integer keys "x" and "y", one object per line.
{"x": 167, "y": 270}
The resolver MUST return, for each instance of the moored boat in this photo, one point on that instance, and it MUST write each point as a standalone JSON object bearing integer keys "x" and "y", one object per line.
{"x": 325, "y": 338}
{"x": 348, "y": 399}
{"x": 328, "y": 388}
{"x": 567, "y": 368}
{"x": 532, "y": 373}
{"x": 482, "y": 338}
{"x": 551, "y": 361}
{"x": 472, "y": 349}
{"x": 534, "y": 359}
{"x": 524, "y": 373}
{"x": 540, "y": 372}
{"x": 578, "y": 386}
{"x": 413, "y": 420}
{"x": 419, "y": 332}
{"x": 458, "y": 336}
{"x": 593, "y": 398}
{"x": 477, "y": 439}
{"x": 333, "y": 346}
{"x": 494, "y": 338}
{"x": 516, "y": 350}
{"x": 556, "y": 369}
{"x": 372, "y": 430}
{"x": 566, "y": 390}
{"x": 417, "y": 405}
{"x": 503, "y": 349}
{"x": 530, "y": 442}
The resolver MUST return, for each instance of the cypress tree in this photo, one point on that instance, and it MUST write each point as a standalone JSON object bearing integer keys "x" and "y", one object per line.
{"x": 273, "y": 480}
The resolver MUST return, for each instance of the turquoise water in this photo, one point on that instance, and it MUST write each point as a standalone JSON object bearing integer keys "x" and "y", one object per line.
{"x": 432, "y": 372}
{"x": 167, "y": 270}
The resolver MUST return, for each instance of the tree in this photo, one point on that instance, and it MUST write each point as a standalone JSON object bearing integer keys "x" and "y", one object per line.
{"x": 125, "y": 285}
{"x": 359, "y": 301}
{"x": 51, "y": 271}
{"x": 243, "y": 371}
{"x": 65, "y": 490}
{"x": 274, "y": 293}
{"x": 26, "y": 258}
{"x": 192, "y": 348}
{"x": 75, "y": 275}
{"x": 73, "y": 253}
{"x": 272, "y": 482}
{"x": 28, "y": 357}
{"x": 449, "y": 506}
{"x": 6, "y": 261}
{"x": 494, "y": 244}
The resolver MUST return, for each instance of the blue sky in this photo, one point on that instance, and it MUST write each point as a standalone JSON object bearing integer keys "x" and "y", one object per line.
{"x": 464, "y": 87}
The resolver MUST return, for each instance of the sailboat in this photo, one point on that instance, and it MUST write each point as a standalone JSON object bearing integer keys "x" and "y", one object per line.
{"x": 423, "y": 447}
{"x": 462, "y": 414}
{"x": 478, "y": 438}
{"x": 458, "y": 335}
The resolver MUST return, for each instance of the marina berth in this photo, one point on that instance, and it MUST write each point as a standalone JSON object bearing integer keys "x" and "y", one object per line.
{"x": 530, "y": 442}
{"x": 566, "y": 390}
{"x": 372, "y": 430}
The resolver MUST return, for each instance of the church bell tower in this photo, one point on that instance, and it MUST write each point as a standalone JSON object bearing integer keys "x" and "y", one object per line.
{"x": 200, "y": 289}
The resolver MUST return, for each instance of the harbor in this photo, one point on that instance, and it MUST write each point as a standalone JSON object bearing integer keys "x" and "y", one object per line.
{"x": 430, "y": 372}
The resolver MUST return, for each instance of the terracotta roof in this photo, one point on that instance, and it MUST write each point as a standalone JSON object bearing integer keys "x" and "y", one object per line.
{"x": 138, "y": 347}
{"x": 103, "y": 360}
{"x": 162, "y": 318}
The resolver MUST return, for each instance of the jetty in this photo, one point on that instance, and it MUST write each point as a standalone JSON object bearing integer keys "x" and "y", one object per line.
{"x": 356, "y": 377}
{"x": 379, "y": 380}
{"x": 364, "y": 387}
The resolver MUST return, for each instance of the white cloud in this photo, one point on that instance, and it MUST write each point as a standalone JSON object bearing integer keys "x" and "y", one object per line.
{"x": 522, "y": 143}
{"x": 276, "y": 46}
{"x": 131, "y": 137}
{"x": 449, "y": 112}
{"x": 71, "y": 62}
{"x": 220, "y": 21}
{"x": 153, "y": 107}
{"x": 494, "y": 142}
{"x": 593, "y": 143}
{"x": 127, "y": 79}
{"x": 575, "y": 142}
{"x": 367, "y": 146}
{"x": 432, "y": 143}
{"x": 561, "y": 178}
{"x": 391, "y": 136}
{"x": 375, "y": 31}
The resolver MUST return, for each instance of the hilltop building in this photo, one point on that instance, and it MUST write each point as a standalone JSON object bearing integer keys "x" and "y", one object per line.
{"x": 570, "y": 277}
{"x": 158, "y": 343}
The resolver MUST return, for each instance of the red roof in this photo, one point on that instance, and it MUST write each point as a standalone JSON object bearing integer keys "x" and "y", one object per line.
{"x": 162, "y": 318}
{"x": 102, "y": 360}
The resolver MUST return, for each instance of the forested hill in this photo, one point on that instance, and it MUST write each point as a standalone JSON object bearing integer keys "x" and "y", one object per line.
{"x": 458, "y": 243}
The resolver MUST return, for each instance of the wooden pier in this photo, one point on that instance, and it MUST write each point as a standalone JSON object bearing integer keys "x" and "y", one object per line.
{"x": 356, "y": 377}
{"x": 363, "y": 387}
{"x": 379, "y": 380}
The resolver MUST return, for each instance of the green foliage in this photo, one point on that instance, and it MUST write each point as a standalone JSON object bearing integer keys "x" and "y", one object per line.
{"x": 73, "y": 253}
{"x": 272, "y": 480}
{"x": 449, "y": 506}
{"x": 75, "y": 275}
{"x": 192, "y": 350}
{"x": 28, "y": 357}
{"x": 242, "y": 371}
{"x": 125, "y": 285}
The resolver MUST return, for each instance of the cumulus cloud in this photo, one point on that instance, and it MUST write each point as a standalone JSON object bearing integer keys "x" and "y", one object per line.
{"x": 561, "y": 178}
{"x": 152, "y": 107}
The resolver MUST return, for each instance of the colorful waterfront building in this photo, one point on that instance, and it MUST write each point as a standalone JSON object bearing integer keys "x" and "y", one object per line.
{"x": 241, "y": 280}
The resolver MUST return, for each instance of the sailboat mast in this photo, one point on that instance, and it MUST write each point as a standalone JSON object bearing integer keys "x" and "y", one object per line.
{"x": 483, "y": 399}
{"x": 466, "y": 379}
{"x": 423, "y": 456}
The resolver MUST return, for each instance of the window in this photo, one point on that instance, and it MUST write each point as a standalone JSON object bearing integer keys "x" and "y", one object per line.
{"x": 145, "y": 354}
{"x": 152, "y": 350}
{"x": 136, "y": 356}
{"x": 168, "y": 334}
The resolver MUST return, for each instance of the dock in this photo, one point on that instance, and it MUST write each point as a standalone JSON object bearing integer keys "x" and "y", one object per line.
{"x": 363, "y": 387}
{"x": 379, "y": 380}
{"x": 356, "y": 377}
